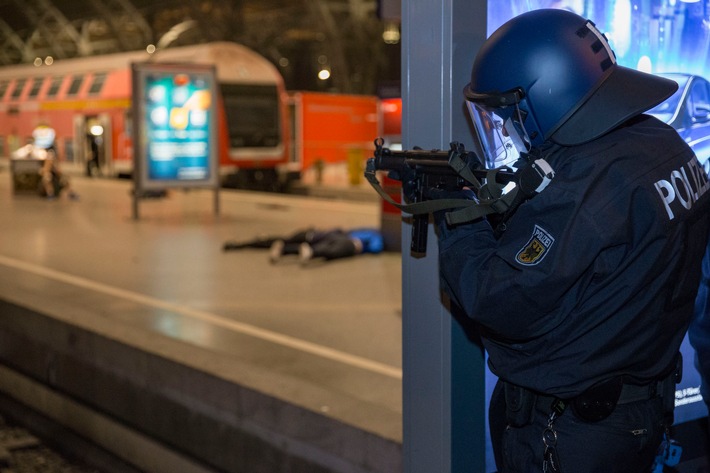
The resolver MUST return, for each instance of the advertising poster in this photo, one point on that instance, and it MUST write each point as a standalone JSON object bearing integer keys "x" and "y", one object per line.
{"x": 175, "y": 132}
{"x": 655, "y": 36}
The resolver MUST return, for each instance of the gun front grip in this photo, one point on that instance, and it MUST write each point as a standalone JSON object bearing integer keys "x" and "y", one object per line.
{"x": 420, "y": 229}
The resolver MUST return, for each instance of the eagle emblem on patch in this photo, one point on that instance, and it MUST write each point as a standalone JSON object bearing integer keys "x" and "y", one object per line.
{"x": 536, "y": 248}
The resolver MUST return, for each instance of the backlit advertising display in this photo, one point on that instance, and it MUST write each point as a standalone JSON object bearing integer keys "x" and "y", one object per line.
{"x": 649, "y": 35}
{"x": 175, "y": 125}
{"x": 655, "y": 36}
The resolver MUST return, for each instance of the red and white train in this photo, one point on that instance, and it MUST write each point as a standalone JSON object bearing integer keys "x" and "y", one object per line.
{"x": 267, "y": 136}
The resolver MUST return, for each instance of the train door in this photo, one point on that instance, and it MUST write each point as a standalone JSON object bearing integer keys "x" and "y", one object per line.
{"x": 92, "y": 144}
{"x": 74, "y": 145}
{"x": 295, "y": 149}
{"x": 78, "y": 147}
{"x": 103, "y": 137}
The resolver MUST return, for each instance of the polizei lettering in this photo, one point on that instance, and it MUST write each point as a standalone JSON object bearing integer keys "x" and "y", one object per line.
{"x": 684, "y": 187}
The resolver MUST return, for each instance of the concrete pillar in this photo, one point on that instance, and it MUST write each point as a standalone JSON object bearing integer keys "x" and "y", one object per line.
{"x": 444, "y": 401}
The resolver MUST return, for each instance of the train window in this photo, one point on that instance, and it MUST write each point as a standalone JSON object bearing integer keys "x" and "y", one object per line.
{"x": 36, "y": 85}
{"x": 19, "y": 85}
{"x": 252, "y": 115}
{"x": 75, "y": 85}
{"x": 54, "y": 86}
{"x": 3, "y": 88}
{"x": 97, "y": 83}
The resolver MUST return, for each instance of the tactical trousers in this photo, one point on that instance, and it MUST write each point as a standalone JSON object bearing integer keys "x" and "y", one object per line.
{"x": 625, "y": 442}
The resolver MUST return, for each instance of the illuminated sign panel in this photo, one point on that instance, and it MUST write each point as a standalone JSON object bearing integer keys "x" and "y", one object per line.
{"x": 175, "y": 117}
{"x": 653, "y": 36}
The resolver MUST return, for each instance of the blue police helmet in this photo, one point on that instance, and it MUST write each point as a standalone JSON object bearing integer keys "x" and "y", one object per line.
{"x": 559, "y": 73}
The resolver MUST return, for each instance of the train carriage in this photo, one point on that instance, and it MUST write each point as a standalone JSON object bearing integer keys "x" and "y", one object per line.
{"x": 89, "y": 98}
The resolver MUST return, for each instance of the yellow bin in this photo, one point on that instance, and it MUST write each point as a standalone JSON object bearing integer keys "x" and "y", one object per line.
{"x": 356, "y": 159}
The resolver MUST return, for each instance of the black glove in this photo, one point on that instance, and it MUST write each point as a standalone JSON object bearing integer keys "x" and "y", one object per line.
{"x": 408, "y": 178}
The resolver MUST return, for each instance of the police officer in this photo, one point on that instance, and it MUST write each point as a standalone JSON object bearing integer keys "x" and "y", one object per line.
{"x": 584, "y": 294}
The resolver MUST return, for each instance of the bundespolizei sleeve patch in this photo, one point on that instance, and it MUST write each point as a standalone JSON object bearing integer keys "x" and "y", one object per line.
{"x": 536, "y": 248}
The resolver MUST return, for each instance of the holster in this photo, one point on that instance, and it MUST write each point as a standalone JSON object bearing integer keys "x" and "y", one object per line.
{"x": 520, "y": 404}
{"x": 599, "y": 401}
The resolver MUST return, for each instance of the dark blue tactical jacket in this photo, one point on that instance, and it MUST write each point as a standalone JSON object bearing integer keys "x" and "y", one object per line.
{"x": 596, "y": 276}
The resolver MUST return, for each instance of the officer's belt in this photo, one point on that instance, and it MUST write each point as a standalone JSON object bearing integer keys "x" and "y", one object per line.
{"x": 590, "y": 405}
{"x": 629, "y": 393}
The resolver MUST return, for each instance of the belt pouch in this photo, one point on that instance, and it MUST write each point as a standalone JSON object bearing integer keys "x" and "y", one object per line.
{"x": 519, "y": 403}
{"x": 599, "y": 401}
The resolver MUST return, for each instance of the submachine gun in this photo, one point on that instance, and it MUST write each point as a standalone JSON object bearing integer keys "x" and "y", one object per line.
{"x": 429, "y": 177}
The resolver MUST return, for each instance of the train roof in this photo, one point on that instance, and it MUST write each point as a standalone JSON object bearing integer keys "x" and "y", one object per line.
{"x": 233, "y": 62}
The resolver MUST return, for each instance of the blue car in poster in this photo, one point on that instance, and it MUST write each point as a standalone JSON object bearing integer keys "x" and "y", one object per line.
{"x": 688, "y": 111}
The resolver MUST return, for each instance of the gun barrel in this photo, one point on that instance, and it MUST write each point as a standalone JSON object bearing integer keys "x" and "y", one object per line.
{"x": 395, "y": 159}
{"x": 391, "y": 161}
{"x": 425, "y": 162}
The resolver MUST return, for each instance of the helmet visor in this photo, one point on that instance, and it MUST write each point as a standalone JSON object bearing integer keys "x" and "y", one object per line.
{"x": 501, "y": 134}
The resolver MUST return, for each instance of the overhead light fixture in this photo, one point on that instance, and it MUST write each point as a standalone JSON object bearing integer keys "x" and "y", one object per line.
{"x": 324, "y": 74}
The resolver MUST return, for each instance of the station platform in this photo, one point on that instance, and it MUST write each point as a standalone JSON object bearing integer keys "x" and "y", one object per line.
{"x": 136, "y": 332}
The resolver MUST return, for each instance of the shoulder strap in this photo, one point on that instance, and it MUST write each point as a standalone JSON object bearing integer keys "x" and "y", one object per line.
{"x": 462, "y": 210}
{"x": 531, "y": 180}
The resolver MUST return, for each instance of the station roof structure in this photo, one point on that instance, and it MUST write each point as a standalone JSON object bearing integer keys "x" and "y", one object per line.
{"x": 343, "y": 31}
